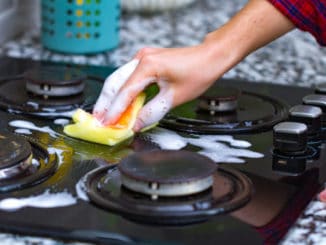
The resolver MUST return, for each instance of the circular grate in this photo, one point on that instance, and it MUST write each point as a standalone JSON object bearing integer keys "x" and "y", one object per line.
{"x": 42, "y": 167}
{"x": 255, "y": 112}
{"x": 229, "y": 191}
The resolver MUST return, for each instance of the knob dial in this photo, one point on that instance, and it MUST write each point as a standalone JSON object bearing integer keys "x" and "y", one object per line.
{"x": 320, "y": 88}
{"x": 309, "y": 115}
{"x": 317, "y": 100}
{"x": 290, "y": 137}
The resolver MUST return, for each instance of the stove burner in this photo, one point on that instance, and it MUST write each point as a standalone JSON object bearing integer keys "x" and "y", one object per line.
{"x": 172, "y": 173}
{"x": 225, "y": 99}
{"x": 255, "y": 112}
{"x": 55, "y": 81}
{"x": 39, "y": 94}
{"x": 15, "y": 155}
{"x": 24, "y": 163}
{"x": 230, "y": 190}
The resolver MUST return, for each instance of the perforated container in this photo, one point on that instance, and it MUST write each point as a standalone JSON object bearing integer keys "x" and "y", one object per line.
{"x": 80, "y": 26}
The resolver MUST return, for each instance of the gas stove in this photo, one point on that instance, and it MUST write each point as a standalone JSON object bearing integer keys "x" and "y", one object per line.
{"x": 240, "y": 163}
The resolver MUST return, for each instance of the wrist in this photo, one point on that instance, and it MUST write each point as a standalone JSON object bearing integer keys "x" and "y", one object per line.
{"x": 222, "y": 51}
{"x": 257, "y": 24}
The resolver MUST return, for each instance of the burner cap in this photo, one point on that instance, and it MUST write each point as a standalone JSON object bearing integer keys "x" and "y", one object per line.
{"x": 15, "y": 155}
{"x": 15, "y": 98}
{"x": 224, "y": 99}
{"x": 253, "y": 112}
{"x": 13, "y": 149}
{"x": 229, "y": 191}
{"x": 17, "y": 169}
{"x": 55, "y": 81}
{"x": 167, "y": 173}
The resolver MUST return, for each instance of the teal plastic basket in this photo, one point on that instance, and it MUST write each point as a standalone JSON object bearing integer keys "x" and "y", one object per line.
{"x": 80, "y": 26}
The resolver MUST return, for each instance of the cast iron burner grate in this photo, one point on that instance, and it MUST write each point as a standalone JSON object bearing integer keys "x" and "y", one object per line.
{"x": 23, "y": 163}
{"x": 224, "y": 189}
{"x": 226, "y": 110}
{"x": 175, "y": 173}
{"x": 224, "y": 99}
{"x": 55, "y": 81}
{"x": 49, "y": 91}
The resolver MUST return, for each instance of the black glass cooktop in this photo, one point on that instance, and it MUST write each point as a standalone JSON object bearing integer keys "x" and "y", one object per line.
{"x": 266, "y": 193}
{"x": 216, "y": 113}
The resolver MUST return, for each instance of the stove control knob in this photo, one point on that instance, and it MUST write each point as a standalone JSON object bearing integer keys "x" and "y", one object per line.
{"x": 309, "y": 115}
{"x": 317, "y": 100}
{"x": 320, "y": 88}
{"x": 290, "y": 137}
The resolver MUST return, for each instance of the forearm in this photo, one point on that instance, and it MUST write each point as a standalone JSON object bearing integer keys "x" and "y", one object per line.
{"x": 257, "y": 24}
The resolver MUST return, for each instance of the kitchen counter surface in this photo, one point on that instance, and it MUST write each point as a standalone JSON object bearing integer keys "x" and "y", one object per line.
{"x": 295, "y": 58}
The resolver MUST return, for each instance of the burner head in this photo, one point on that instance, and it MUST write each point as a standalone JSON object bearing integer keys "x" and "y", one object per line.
{"x": 224, "y": 99}
{"x": 230, "y": 190}
{"x": 234, "y": 113}
{"x": 68, "y": 91}
{"x": 23, "y": 163}
{"x": 15, "y": 155}
{"x": 167, "y": 173}
{"x": 55, "y": 81}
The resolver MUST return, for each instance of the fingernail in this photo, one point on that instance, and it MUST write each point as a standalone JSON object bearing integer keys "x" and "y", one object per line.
{"x": 137, "y": 127}
{"x": 98, "y": 115}
{"x": 322, "y": 196}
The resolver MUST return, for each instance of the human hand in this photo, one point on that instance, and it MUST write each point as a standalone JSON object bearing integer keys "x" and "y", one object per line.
{"x": 322, "y": 196}
{"x": 181, "y": 74}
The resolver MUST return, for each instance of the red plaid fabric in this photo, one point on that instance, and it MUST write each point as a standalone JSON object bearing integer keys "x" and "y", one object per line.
{"x": 307, "y": 15}
{"x": 308, "y": 187}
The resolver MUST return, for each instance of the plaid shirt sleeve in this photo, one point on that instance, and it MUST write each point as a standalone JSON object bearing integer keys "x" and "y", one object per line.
{"x": 307, "y": 15}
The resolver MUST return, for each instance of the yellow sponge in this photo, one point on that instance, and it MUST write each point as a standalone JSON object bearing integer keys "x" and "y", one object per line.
{"x": 88, "y": 128}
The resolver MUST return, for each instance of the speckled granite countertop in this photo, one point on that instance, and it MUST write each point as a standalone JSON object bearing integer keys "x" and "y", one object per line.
{"x": 293, "y": 59}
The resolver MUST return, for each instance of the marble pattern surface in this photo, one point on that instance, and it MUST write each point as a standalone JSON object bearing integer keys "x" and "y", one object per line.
{"x": 310, "y": 228}
{"x": 294, "y": 58}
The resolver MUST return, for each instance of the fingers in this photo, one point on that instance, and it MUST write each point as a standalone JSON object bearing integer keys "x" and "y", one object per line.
{"x": 144, "y": 75}
{"x": 155, "y": 109}
{"x": 322, "y": 196}
{"x": 112, "y": 86}
{"x": 122, "y": 87}
{"x": 124, "y": 98}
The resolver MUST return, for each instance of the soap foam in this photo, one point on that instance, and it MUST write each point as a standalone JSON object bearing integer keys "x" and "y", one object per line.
{"x": 61, "y": 121}
{"x": 213, "y": 146}
{"x": 166, "y": 139}
{"x": 23, "y": 131}
{"x": 44, "y": 200}
{"x": 47, "y": 112}
{"x": 33, "y": 104}
{"x": 22, "y": 124}
{"x": 58, "y": 152}
{"x": 81, "y": 190}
